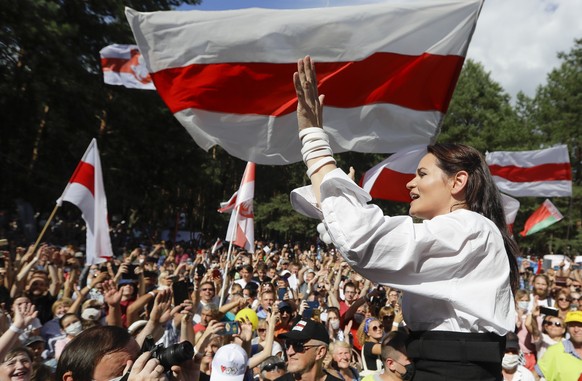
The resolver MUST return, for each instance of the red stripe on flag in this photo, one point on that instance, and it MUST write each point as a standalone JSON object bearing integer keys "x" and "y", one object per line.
{"x": 544, "y": 172}
{"x": 391, "y": 185}
{"x": 119, "y": 65}
{"x": 424, "y": 82}
{"x": 85, "y": 175}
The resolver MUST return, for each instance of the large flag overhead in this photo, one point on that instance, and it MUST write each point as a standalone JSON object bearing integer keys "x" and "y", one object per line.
{"x": 388, "y": 71}
{"x": 124, "y": 65}
{"x": 387, "y": 180}
{"x": 546, "y": 215}
{"x": 85, "y": 190}
{"x": 540, "y": 173}
{"x": 241, "y": 228}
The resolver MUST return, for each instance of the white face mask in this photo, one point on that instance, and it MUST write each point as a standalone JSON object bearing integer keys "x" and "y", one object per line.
{"x": 334, "y": 324}
{"x": 74, "y": 329}
{"x": 510, "y": 361}
{"x": 523, "y": 305}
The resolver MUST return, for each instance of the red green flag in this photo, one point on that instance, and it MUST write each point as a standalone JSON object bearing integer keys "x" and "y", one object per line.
{"x": 546, "y": 215}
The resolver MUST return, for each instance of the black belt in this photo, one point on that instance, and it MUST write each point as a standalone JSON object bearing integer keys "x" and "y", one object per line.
{"x": 456, "y": 346}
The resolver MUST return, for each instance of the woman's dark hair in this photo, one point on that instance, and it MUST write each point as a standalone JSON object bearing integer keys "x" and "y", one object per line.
{"x": 481, "y": 193}
{"x": 82, "y": 354}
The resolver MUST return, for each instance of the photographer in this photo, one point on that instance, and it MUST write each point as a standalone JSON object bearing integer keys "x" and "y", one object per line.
{"x": 104, "y": 353}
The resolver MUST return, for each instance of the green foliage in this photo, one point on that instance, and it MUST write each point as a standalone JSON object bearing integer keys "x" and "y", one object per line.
{"x": 53, "y": 102}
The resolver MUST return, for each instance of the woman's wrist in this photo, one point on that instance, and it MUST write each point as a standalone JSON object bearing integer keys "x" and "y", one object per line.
{"x": 16, "y": 329}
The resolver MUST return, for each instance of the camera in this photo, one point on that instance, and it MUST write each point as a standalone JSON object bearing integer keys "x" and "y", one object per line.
{"x": 175, "y": 354}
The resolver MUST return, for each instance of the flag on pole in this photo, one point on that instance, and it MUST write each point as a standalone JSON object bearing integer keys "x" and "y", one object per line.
{"x": 85, "y": 190}
{"x": 387, "y": 180}
{"x": 124, "y": 65}
{"x": 217, "y": 245}
{"x": 388, "y": 71}
{"x": 540, "y": 173}
{"x": 228, "y": 206}
{"x": 510, "y": 208}
{"x": 241, "y": 228}
{"x": 546, "y": 215}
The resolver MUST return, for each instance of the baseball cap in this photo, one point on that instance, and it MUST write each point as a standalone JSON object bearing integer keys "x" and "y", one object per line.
{"x": 136, "y": 326}
{"x": 573, "y": 316}
{"x": 91, "y": 313}
{"x": 229, "y": 363}
{"x": 306, "y": 329}
{"x": 34, "y": 339}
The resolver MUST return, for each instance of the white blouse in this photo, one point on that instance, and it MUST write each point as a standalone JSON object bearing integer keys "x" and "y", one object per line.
{"x": 453, "y": 268}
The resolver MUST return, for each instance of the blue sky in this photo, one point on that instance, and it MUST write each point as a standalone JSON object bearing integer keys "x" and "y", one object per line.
{"x": 516, "y": 40}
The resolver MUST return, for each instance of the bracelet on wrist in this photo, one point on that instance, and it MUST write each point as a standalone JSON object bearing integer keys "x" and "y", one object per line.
{"x": 15, "y": 329}
{"x": 395, "y": 324}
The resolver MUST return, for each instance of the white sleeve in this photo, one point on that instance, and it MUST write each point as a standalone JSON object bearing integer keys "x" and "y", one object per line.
{"x": 396, "y": 250}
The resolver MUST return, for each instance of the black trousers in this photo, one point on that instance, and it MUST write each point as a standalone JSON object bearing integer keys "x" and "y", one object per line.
{"x": 456, "y": 356}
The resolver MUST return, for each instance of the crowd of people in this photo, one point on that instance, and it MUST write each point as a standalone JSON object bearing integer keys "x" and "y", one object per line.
{"x": 442, "y": 299}
{"x": 61, "y": 320}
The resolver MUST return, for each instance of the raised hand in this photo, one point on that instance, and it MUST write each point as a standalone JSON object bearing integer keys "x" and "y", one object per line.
{"x": 309, "y": 104}
{"x": 111, "y": 294}
{"x": 24, "y": 314}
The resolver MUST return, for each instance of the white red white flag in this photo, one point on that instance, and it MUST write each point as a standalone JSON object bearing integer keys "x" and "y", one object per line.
{"x": 217, "y": 245}
{"x": 510, "y": 208}
{"x": 85, "y": 190}
{"x": 241, "y": 228}
{"x": 228, "y": 206}
{"x": 388, "y": 71}
{"x": 540, "y": 173}
{"x": 124, "y": 65}
{"x": 387, "y": 180}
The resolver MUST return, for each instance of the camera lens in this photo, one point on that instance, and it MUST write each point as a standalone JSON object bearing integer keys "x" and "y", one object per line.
{"x": 174, "y": 354}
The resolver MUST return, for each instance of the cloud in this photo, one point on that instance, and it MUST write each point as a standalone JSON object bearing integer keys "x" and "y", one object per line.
{"x": 518, "y": 40}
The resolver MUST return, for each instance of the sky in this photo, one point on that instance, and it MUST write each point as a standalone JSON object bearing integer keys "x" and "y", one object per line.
{"x": 517, "y": 41}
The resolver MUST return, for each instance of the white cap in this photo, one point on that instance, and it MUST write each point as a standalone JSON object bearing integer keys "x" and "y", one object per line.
{"x": 91, "y": 314}
{"x": 229, "y": 363}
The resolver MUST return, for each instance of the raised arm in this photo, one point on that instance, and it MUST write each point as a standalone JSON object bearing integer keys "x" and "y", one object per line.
{"x": 310, "y": 114}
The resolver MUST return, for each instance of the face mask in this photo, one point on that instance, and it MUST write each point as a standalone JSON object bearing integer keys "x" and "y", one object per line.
{"x": 74, "y": 329}
{"x": 523, "y": 305}
{"x": 334, "y": 323}
{"x": 408, "y": 374}
{"x": 510, "y": 361}
{"x": 359, "y": 318}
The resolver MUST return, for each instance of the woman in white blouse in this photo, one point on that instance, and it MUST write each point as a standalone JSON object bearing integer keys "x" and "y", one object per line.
{"x": 457, "y": 267}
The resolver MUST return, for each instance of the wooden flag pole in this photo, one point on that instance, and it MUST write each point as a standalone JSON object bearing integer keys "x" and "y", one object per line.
{"x": 46, "y": 225}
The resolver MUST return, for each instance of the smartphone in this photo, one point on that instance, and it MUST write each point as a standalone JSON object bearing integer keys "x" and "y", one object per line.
{"x": 182, "y": 291}
{"x": 230, "y": 328}
{"x": 281, "y": 293}
{"x": 130, "y": 274}
{"x": 549, "y": 311}
{"x": 313, "y": 305}
{"x": 309, "y": 311}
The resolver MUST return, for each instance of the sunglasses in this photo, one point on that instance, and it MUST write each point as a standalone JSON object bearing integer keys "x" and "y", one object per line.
{"x": 261, "y": 329}
{"x": 298, "y": 346}
{"x": 377, "y": 327}
{"x": 564, "y": 299}
{"x": 272, "y": 367}
{"x": 555, "y": 323}
{"x": 206, "y": 289}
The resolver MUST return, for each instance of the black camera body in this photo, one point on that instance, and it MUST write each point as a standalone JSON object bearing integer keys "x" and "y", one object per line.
{"x": 175, "y": 354}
